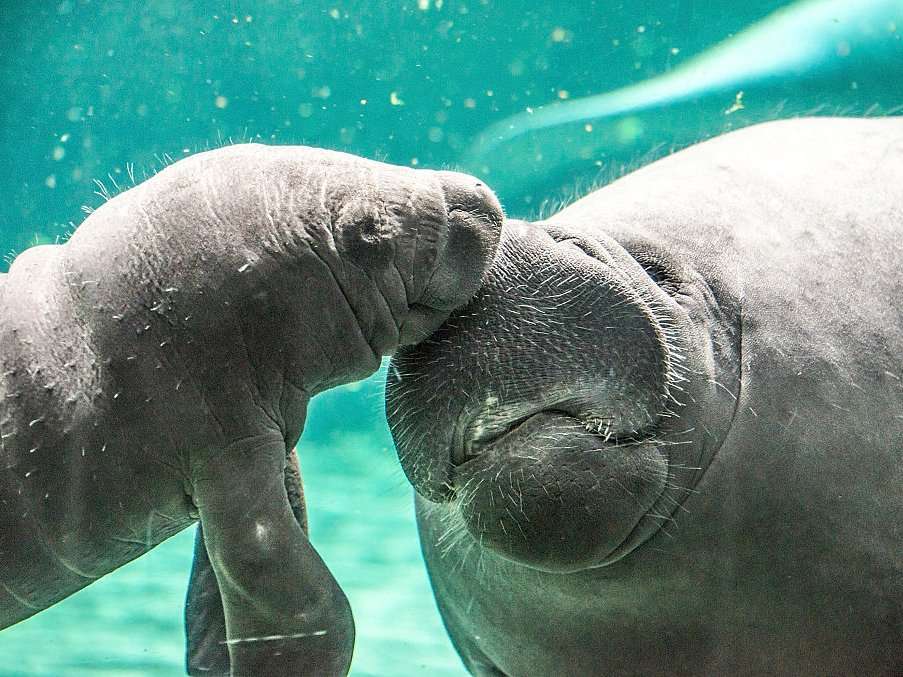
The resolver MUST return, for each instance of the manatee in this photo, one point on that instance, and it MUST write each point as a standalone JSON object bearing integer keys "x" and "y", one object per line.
{"x": 157, "y": 366}
{"x": 666, "y": 437}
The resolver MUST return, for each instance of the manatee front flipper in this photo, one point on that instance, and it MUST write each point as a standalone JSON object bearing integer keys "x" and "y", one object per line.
{"x": 284, "y": 612}
{"x": 205, "y": 623}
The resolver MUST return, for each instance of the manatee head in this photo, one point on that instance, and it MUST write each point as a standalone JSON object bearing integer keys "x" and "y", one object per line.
{"x": 322, "y": 260}
{"x": 412, "y": 242}
{"x": 547, "y": 419}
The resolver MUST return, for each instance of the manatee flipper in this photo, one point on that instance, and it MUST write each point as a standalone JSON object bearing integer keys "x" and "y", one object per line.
{"x": 205, "y": 622}
{"x": 205, "y": 625}
{"x": 285, "y": 614}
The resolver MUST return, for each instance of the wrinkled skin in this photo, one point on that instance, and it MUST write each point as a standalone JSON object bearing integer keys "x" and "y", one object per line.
{"x": 671, "y": 422}
{"x": 157, "y": 369}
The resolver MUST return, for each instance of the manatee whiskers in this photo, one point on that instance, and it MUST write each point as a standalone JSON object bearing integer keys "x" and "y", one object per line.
{"x": 454, "y": 531}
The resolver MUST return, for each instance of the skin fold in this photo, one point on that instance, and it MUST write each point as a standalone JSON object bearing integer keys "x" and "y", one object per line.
{"x": 671, "y": 421}
{"x": 156, "y": 370}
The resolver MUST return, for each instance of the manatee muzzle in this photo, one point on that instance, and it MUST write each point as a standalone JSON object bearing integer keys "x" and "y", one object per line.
{"x": 461, "y": 256}
{"x": 533, "y": 410}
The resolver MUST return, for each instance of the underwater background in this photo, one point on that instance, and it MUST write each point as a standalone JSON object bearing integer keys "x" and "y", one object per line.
{"x": 544, "y": 100}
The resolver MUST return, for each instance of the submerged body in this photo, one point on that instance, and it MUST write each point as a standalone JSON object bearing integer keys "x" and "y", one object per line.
{"x": 750, "y": 523}
{"x": 156, "y": 370}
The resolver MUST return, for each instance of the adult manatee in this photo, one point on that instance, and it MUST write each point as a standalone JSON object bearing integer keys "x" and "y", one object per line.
{"x": 156, "y": 370}
{"x": 671, "y": 436}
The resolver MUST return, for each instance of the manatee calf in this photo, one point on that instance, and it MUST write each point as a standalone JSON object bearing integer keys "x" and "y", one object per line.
{"x": 670, "y": 425}
{"x": 156, "y": 370}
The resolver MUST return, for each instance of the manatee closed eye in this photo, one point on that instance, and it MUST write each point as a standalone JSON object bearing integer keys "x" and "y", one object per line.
{"x": 671, "y": 421}
{"x": 158, "y": 365}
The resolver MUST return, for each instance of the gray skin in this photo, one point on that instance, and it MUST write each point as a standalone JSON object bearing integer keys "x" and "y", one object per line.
{"x": 156, "y": 370}
{"x": 670, "y": 434}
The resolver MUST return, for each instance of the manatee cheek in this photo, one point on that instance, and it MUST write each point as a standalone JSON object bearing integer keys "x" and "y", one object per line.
{"x": 555, "y": 497}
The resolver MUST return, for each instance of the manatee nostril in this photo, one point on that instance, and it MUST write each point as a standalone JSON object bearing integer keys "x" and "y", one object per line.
{"x": 369, "y": 228}
{"x": 477, "y": 202}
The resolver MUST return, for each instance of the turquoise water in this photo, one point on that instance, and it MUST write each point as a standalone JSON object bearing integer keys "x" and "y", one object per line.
{"x": 111, "y": 91}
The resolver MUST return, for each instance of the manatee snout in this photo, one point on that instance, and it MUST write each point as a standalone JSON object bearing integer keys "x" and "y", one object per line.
{"x": 533, "y": 413}
{"x": 430, "y": 236}
{"x": 399, "y": 248}
{"x": 462, "y": 253}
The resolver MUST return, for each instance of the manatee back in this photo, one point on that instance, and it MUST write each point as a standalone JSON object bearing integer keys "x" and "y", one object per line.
{"x": 812, "y": 201}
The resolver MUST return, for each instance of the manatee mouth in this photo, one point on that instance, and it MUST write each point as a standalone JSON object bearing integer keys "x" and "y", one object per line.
{"x": 554, "y": 491}
{"x": 469, "y": 444}
{"x": 420, "y": 322}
